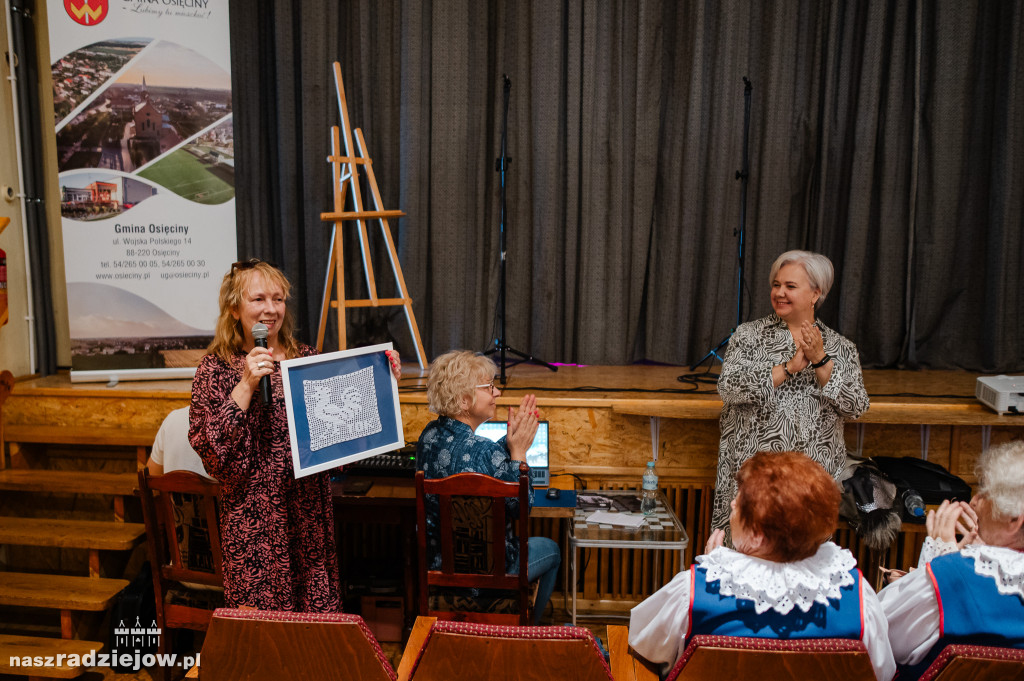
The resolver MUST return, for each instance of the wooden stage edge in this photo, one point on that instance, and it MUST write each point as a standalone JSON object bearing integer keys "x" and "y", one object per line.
{"x": 649, "y": 390}
{"x": 600, "y": 415}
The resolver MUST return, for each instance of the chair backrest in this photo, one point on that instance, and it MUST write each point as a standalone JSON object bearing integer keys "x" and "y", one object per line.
{"x": 259, "y": 645}
{"x": 180, "y": 512}
{"x": 733, "y": 657}
{"x": 471, "y": 537}
{"x": 464, "y": 650}
{"x": 976, "y": 663}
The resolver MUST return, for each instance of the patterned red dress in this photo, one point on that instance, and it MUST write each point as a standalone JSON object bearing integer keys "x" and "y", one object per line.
{"x": 277, "y": 532}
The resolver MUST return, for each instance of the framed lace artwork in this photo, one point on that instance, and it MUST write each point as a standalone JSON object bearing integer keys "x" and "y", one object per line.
{"x": 342, "y": 407}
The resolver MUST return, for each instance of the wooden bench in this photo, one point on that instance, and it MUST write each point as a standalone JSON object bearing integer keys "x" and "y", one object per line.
{"x": 22, "y": 647}
{"x": 92, "y": 535}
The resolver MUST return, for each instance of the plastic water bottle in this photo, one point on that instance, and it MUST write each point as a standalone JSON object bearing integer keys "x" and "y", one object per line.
{"x": 913, "y": 503}
{"x": 650, "y": 490}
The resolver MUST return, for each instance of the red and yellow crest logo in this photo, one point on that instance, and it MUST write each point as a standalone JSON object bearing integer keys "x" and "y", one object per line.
{"x": 87, "y": 12}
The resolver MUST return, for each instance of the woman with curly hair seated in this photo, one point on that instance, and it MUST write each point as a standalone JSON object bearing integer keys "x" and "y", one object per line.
{"x": 783, "y": 580}
{"x": 461, "y": 391}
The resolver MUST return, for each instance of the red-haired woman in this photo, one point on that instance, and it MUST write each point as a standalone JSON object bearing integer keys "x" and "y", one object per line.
{"x": 783, "y": 580}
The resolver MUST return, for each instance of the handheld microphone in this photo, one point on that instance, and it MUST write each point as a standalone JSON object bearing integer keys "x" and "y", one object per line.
{"x": 259, "y": 334}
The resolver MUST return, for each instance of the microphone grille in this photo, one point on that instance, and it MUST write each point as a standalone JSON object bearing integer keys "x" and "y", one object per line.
{"x": 259, "y": 331}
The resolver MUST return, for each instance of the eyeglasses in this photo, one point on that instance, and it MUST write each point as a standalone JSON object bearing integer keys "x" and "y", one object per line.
{"x": 489, "y": 386}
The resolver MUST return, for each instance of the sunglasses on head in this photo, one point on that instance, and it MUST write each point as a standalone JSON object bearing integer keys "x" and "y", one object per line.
{"x": 248, "y": 264}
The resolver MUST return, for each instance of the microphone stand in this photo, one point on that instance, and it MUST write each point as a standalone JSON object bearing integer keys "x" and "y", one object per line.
{"x": 743, "y": 175}
{"x": 501, "y": 165}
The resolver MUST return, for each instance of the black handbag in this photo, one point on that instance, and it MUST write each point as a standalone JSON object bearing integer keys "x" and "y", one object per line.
{"x": 932, "y": 482}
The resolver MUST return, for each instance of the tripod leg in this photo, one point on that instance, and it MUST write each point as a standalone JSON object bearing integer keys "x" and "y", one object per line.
{"x": 713, "y": 355}
{"x": 523, "y": 357}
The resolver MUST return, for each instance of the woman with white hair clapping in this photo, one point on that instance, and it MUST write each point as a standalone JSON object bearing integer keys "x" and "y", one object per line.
{"x": 788, "y": 382}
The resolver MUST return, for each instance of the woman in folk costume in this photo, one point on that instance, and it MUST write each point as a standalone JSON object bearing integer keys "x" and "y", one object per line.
{"x": 783, "y": 580}
{"x": 971, "y": 592}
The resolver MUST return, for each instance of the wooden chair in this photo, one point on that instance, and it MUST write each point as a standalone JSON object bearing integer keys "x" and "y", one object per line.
{"x": 626, "y": 664}
{"x": 732, "y": 657}
{"x": 259, "y": 645}
{"x": 188, "y": 583}
{"x": 959, "y": 662}
{"x": 471, "y": 526}
{"x": 441, "y": 650}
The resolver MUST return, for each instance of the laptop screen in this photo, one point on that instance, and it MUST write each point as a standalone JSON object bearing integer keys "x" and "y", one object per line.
{"x": 536, "y": 456}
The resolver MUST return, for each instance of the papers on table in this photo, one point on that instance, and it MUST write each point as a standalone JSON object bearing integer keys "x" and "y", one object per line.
{"x": 621, "y": 519}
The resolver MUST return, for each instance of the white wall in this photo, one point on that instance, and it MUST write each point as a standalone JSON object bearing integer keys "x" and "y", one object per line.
{"x": 14, "y": 339}
{"x": 14, "y": 336}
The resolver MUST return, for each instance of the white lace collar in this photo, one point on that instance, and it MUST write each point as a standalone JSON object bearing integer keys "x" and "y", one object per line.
{"x": 780, "y": 586}
{"x": 1004, "y": 565}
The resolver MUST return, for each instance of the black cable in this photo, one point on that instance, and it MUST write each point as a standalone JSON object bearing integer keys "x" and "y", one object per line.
{"x": 577, "y": 478}
{"x": 706, "y": 377}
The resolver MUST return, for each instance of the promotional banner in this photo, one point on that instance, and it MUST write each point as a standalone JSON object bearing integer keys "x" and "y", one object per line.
{"x": 145, "y": 153}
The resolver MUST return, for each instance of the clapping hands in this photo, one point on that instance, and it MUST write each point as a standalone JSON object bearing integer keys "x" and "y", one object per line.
{"x": 809, "y": 345}
{"x": 522, "y": 427}
{"x": 950, "y": 519}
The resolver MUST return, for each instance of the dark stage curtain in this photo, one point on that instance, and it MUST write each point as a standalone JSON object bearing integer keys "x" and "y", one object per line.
{"x": 886, "y": 135}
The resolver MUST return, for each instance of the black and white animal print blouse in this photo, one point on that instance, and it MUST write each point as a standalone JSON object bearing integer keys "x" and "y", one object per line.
{"x": 798, "y": 415}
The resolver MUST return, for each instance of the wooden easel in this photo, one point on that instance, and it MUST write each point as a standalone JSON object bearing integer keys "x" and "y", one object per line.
{"x": 346, "y": 181}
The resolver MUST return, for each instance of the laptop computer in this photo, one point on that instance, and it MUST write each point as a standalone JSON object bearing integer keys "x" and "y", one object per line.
{"x": 536, "y": 456}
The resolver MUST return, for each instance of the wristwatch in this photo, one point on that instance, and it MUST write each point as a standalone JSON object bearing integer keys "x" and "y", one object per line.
{"x": 824, "y": 360}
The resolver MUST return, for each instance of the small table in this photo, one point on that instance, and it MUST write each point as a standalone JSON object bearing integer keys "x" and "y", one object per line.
{"x": 662, "y": 531}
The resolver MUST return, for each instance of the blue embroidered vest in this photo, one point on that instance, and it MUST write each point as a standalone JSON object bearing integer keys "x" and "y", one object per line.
{"x": 713, "y": 613}
{"x": 971, "y": 610}
{"x": 986, "y": 618}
